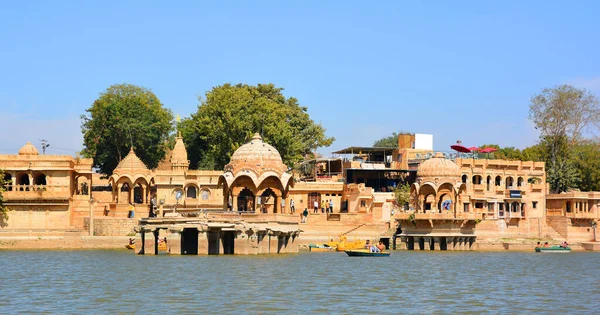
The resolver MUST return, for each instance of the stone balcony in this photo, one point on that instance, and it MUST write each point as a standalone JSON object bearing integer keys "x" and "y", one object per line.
{"x": 446, "y": 215}
{"x": 581, "y": 215}
{"x": 36, "y": 192}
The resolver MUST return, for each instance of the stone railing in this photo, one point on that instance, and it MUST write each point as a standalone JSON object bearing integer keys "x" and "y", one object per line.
{"x": 437, "y": 216}
{"x": 478, "y": 187}
{"x": 37, "y": 192}
{"x": 581, "y": 215}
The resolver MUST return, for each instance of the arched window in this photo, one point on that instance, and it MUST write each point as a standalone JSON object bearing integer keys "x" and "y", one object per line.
{"x": 205, "y": 194}
{"x": 476, "y": 179}
{"x": 489, "y": 182}
{"x": 8, "y": 182}
{"x": 519, "y": 181}
{"x": 40, "y": 179}
{"x": 23, "y": 180}
{"x": 191, "y": 192}
{"x": 510, "y": 182}
{"x": 464, "y": 179}
{"x": 498, "y": 180}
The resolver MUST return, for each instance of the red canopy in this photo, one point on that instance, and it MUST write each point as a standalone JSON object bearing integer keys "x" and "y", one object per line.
{"x": 474, "y": 149}
{"x": 488, "y": 150}
{"x": 460, "y": 148}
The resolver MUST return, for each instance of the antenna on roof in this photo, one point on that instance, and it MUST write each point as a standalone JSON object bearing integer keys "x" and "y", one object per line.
{"x": 45, "y": 144}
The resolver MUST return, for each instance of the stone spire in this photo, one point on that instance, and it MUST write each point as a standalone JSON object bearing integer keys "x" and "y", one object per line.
{"x": 179, "y": 157}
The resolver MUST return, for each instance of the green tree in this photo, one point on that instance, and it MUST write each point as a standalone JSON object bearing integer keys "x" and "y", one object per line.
{"x": 3, "y": 208}
{"x": 402, "y": 195}
{"x": 229, "y": 115}
{"x": 587, "y": 162}
{"x": 533, "y": 153}
{"x": 564, "y": 115}
{"x": 561, "y": 171}
{"x": 387, "y": 142}
{"x": 125, "y": 115}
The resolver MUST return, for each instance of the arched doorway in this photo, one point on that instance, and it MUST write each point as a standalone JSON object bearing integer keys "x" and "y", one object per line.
{"x": 124, "y": 194}
{"x": 312, "y": 197}
{"x": 138, "y": 194}
{"x": 245, "y": 200}
{"x": 268, "y": 201}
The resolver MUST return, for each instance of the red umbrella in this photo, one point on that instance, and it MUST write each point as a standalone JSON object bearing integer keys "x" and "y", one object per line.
{"x": 474, "y": 149}
{"x": 460, "y": 148}
{"x": 488, "y": 150}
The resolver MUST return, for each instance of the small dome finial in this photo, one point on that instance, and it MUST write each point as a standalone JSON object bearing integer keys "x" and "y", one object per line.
{"x": 256, "y": 137}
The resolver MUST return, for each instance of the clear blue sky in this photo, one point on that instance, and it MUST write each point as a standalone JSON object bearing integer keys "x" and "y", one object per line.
{"x": 454, "y": 69}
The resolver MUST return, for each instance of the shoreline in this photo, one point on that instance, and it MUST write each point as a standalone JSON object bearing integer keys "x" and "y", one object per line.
{"x": 119, "y": 242}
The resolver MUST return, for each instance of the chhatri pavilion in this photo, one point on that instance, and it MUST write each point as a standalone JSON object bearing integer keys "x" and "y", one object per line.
{"x": 254, "y": 183}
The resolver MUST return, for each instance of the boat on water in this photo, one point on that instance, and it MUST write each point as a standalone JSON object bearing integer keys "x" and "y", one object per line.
{"x": 320, "y": 248}
{"x": 344, "y": 246}
{"x": 366, "y": 253}
{"x": 553, "y": 249}
{"x": 161, "y": 246}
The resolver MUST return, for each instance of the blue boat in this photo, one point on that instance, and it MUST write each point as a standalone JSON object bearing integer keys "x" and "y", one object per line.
{"x": 366, "y": 253}
{"x": 553, "y": 249}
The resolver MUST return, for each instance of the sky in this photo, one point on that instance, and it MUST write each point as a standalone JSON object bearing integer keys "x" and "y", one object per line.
{"x": 460, "y": 70}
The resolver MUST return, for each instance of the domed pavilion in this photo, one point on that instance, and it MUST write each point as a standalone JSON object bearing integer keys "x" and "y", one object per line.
{"x": 437, "y": 223}
{"x": 438, "y": 186}
{"x": 255, "y": 180}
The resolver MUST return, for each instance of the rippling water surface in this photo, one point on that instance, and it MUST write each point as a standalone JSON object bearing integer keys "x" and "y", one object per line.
{"x": 116, "y": 282}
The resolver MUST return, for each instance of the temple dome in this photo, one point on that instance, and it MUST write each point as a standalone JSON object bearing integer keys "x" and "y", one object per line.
{"x": 257, "y": 156}
{"x": 28, "y": 149}
{"x": 438, "y": 166}
{"x": 130, "y": 164}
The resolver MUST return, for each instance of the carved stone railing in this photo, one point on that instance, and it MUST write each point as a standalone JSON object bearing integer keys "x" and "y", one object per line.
{"x": 446, "y": 215}
{"x": 28, "y": 192}
{"x": 581, "y": 215}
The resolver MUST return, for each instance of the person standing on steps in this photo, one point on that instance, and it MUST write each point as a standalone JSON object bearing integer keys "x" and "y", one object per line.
{"x": 292, "y": 207}
{"x": 305, "y": 215}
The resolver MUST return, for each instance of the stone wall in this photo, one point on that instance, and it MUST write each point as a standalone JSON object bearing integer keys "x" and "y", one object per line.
{"x": 106, "y": 226}
{"x": 39, "y": 217}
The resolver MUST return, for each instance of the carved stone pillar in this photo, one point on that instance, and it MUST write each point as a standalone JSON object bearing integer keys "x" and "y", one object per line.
{"x": 234, "y": 202}
{"x": 202, "y": 242}
{"x": 149, "y": 242}
{"x": 174, "y": 242}
{"x": 427, "y": 243}
{"x": 436, "y": 243}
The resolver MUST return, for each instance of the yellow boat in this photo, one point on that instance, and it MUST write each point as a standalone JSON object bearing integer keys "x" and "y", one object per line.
{"x": 344, "y": 246}
{"x": 320, "y": 248}
{"x": 161, "y": 246}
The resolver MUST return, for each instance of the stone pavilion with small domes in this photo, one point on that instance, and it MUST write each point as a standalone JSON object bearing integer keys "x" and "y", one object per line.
{"x": 256, "y": 178}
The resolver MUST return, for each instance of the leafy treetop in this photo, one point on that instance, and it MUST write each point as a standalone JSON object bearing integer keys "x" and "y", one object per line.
{"x": 125, "y": 115}
{"x": 229, "y": 116}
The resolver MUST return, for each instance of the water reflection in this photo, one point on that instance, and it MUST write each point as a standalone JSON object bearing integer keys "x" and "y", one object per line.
{"x": 78, "y": 282}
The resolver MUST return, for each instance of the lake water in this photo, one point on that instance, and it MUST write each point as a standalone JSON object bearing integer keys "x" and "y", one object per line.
{"x": 113, "y": 282}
